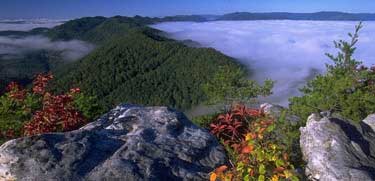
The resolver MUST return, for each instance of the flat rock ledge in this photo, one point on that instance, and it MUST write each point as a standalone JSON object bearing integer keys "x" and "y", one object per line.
{"x": 128, "y": 143}
{"x": 336, "y": 149}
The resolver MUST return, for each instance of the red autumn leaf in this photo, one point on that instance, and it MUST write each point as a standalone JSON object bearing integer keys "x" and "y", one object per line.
{"x": 247, "y": 149}
{"x": 261, "y": 130}
{"x": 221, "y": 169}
{"x": 252, "y": 172}
{"x": 279, "y": 169}
{"x": 285, "y": 156}
{"x": 233, "y": 125}
{"x": 253, "y": 112}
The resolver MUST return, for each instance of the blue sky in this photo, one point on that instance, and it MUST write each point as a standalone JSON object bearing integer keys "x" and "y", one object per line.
{"x": 79, "y": 8}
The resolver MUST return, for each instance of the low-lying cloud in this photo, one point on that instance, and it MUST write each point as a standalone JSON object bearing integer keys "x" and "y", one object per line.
{"x": 289, "y": 52}
{"x": 15, "y": 47}
{"x": 11, "y": 47}
{"x": 26, "y": 25}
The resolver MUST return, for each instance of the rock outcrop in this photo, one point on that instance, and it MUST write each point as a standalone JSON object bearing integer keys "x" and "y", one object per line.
{"x": 129, "y": 143}
{"x": 276, "y": 111}
{"x": 335, "y": 149}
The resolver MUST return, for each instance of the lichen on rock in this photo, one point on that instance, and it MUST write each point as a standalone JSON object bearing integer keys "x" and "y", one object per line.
{"x": 336, "y": 149}
{"x": 129, "y": 143}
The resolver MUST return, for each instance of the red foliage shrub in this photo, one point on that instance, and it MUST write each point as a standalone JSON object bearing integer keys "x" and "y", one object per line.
{"x": 16, "y": 92}
{"x": 232, "y": 126}
{"x": 40, "y": 83}
{"x": 253, "y": 151}
{"x": 57, "y": 113}
{"x": 8, "y": 134}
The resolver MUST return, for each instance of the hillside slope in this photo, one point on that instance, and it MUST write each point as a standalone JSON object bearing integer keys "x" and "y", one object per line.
{"x": 131, "y": 63}
{"x": 23, "y": 68}
{"x": 144, "y": 68}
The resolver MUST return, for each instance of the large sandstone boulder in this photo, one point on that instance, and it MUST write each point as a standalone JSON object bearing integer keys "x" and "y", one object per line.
{"x": 335, "y": 149}
{"x": 129, "y": 143}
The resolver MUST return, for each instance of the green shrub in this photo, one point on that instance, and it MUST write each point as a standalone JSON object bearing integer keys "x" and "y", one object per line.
{"x": 16, "y": 107}
{"x": 88, "y": 106}
{"x": 204, "y": 121}
{"x": 288, "y": 134}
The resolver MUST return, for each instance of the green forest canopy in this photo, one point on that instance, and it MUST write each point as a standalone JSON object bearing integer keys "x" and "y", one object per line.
{"x": 131, "y": 63}
{"x": 144, "y": 68}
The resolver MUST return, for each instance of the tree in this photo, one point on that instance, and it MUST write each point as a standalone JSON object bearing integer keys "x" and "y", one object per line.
{"x": 232, "y": 85}
{"x": 347, "y": 89}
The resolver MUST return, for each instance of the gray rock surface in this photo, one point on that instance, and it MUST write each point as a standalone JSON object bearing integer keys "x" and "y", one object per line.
{"x": 276, "y": 111}
{"x": 335, "y": 149}
{"x": 129, "y": 143}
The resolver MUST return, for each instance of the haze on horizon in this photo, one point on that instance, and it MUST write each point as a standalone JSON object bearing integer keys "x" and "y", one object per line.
{"x": 68, "y": 9}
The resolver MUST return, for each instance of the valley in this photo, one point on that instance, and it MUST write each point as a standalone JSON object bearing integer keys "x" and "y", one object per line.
{"x": 286, "y": 51}
{"x": 230, "y": 97}
{"x": 130, "y": 63}
{"x": 269, "y": 49}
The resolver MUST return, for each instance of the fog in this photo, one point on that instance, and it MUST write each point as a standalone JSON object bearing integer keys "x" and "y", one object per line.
{"x": 70, "y": 50}
{"x": 15, "y": 47}
{"x": 26, "y": 25}
{"x": 289, "y": 52}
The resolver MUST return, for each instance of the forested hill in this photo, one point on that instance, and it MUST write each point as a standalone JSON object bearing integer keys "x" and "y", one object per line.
{"x": 133, "y": 64}
{"x": 146, "y": 69}
{"x": 99, "y": 29}
{"x": 95, "y": 30}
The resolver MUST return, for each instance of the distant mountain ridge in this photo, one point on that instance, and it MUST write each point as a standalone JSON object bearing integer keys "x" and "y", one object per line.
{"x": 322, "y": 16}
{"x": 317, "y": 16}
{"x": 144, "y": 20}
